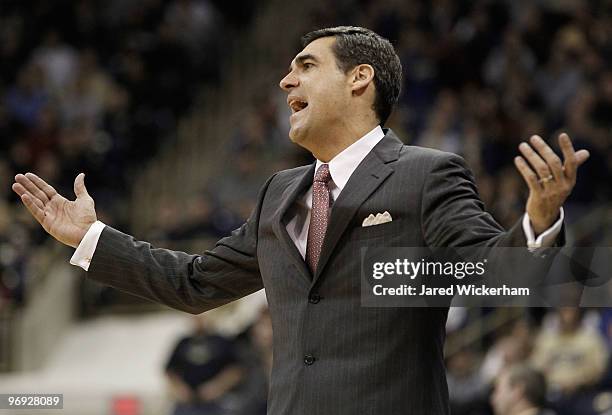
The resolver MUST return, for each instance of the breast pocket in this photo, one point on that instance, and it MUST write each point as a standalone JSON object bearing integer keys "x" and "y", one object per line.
{"x": 388, "y": 229}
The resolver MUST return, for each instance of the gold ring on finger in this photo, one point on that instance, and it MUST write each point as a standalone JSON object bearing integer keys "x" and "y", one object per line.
{"x": 546, "y": 179}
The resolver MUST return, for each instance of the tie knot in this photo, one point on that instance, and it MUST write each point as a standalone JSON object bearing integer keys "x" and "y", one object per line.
{"x": 322, "y": 174}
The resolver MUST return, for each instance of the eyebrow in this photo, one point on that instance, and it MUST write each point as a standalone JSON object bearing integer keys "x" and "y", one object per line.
{"x": 301, "y": 58}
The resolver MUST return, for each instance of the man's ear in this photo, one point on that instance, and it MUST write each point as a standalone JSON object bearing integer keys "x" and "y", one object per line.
{"x": 361, "y": 76}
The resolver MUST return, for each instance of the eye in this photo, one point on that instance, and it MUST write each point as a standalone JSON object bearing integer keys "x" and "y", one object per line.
{"x": 308, "y": 65}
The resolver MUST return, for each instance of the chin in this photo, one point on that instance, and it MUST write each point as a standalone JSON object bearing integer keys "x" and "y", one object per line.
{"x": 296, "y": 135}
{"x": 292, "y": 136}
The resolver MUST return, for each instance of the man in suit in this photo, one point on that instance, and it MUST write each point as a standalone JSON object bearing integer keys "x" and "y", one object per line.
{"x": 301, "y": 242}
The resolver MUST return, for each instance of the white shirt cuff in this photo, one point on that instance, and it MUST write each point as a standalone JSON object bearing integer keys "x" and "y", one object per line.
{"x": 547, "y": 238}
{"x": 85, "y": 251}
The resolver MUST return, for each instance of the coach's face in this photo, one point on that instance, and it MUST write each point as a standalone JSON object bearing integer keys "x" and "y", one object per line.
{"x": 318, "y": 94}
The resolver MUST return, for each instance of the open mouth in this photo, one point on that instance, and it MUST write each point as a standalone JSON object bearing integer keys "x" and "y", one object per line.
{"x": 297, "y": 106}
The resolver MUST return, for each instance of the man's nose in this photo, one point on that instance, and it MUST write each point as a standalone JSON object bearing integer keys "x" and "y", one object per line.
{"x": 288, "y": 82}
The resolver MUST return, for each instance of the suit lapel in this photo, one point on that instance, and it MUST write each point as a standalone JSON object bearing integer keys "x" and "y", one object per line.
{"x": 368, "y": 176}
{"x": 295, "y": 189}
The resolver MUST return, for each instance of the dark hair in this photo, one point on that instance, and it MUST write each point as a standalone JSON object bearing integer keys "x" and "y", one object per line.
{"x": 357, "y": 45}
{"x": 532, "y": 380}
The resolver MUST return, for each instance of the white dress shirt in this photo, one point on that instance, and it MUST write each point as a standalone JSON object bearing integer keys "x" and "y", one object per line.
{"x": 341, "y": 168}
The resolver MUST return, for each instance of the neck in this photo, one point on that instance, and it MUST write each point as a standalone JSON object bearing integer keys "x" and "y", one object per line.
{"x": 337, "y": 141}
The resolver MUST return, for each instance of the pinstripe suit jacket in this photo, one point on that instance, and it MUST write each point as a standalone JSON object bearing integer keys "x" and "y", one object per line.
{"x": 331, "y": 356}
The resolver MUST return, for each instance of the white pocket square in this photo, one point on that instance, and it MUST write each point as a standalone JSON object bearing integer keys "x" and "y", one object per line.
{"x": 378, "y": 219}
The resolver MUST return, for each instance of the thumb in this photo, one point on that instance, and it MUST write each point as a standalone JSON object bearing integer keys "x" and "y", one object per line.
{"x": 79, "y": 186}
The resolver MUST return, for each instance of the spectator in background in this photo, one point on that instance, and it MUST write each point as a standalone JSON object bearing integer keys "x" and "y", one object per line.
{"x": 202, "y": 368}
{"x": 520, "y": 390}
{"x": 442, "y": 130}
{"x": 194, "y": 20}
{"x": 561, "y": 77}
{"x": 26, "y": 99}
{"x": 509, "y": 349}
{"x": 573, "y": 358}
{"x": 467, "y": 389}
{"x": 57, "y": 59}
{"x": 253, "y": 394}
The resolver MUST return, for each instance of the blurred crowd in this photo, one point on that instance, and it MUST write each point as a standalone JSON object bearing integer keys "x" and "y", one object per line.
{"x": 212, "y": 374}
{"x": 561, "y": 357}
{"x": 95, "y": 87}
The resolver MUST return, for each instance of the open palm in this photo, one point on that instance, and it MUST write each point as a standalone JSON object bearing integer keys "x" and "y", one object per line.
{"x": 549, "y": 179}
{"x": 65, "y": 220}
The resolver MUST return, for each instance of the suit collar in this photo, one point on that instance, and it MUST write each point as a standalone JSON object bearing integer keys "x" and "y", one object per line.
{"x": 389, "y": 148}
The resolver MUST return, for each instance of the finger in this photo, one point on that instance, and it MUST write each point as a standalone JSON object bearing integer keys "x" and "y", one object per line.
{"x": 20, "y": 190}
{"x": 534, "y": 159}
{"x": 569, "y": 156}
{"x": 79, "y": 186}
{"x": 528, "y": 174}
{"x": 552, "y": 160}
{"x": 31, "y": 188}
{"x": 42, "y": 185}
{"x": 582, "y": 156}
{"x": 37, "y": 212}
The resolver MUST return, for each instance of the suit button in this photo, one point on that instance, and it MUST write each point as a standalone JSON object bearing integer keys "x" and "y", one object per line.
{"x": 314, "y": 298}
{"x": 309, "y": 360}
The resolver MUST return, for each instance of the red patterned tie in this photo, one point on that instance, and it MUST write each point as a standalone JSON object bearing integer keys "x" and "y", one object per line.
{"x": 318, "y": 216}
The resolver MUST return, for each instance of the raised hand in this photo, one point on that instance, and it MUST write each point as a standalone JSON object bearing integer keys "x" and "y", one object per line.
{"x": 65, "y": 220}
{"x": 550, "y": 181}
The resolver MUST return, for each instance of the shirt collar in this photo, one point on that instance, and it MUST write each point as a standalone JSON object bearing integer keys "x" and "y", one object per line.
{"x": 344, "y": 164}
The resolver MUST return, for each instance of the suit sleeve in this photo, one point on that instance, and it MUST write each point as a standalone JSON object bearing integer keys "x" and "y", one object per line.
{"x": 191, "y": 283}
{"x": 452, "y": 213}
{"x": 453, "y": 216}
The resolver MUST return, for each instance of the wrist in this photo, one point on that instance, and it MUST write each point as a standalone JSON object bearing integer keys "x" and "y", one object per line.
{"x": 540, "y": 225}
{"x": 79, "y": 235}
{"x": 83, "y": 231}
